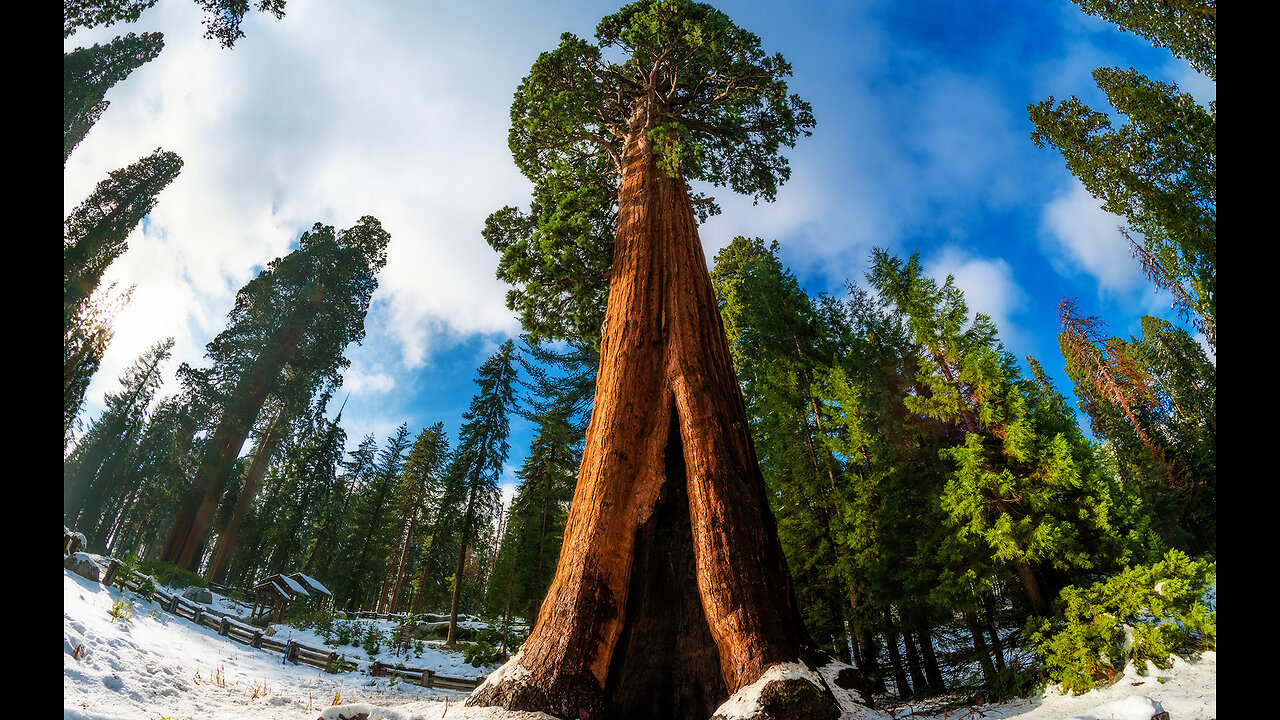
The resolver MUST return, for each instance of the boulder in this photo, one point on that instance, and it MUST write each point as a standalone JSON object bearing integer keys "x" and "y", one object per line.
{"x": 85, "y": 565}
{"x": 72, "y": 542}
{"x": 199, "y": 595}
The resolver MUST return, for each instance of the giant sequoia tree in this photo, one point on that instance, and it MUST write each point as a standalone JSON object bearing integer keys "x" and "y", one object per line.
{"x": 672, "y": 592}
{"x": 285, "y": 337}
{"x": 87, "y": 75}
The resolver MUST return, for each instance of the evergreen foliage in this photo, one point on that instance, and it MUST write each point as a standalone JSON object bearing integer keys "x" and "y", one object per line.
{"x": 1160, "y": 171}
{"x": 530, "y": 545}
{"x": 1153, "y": 398}
{"x": 928, "y": 490}
{"x": 84, "y": 343}
{"x": 418, "y": 487}
{"x": 96, "y": 473}
{"x": 95, "y": 232}
{"x": 919, "y": 480}
{"x": 1143, "y": 613}
{"x": 715, "y": 104}
{"x": 87, "y": 75}
{"x": 94, "y": 235}
{"x": 78, "y": 14}
{"x": 371, "y": 510}
{"x": 471, "y": 479}
{"x": 222, "y": 17}
{"x": 285, "y": 337}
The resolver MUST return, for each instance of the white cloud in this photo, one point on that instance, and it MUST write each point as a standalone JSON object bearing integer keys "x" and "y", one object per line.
{"x": 989, "y": 287}
{"x": 1079, "y": 237}
{"x": 324, "y": 116}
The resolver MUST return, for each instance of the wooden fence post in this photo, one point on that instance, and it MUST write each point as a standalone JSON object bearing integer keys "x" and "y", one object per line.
{"x": 110, "y": 576}
{"x": 427, "y": 679}
{"x": 256, "y": 642}
{"x": 224, "y": 627}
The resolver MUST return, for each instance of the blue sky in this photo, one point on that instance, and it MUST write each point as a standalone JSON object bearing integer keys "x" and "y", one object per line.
{"x": 401, "y": 109}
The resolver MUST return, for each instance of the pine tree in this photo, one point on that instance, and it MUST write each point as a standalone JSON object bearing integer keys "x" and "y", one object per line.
{"x": 334, "y": 525}
{"x": 1159, "y": 171}
{"x": 477, "y": 462}
{"x": 285, "y": 336}
{"x": 151, "y": 483}
{"x": 779, "y": 345}
{"x": 372, "y": 508}
{"x": 419, "y": 484}
{"x": 1014, "y": 488}
{"x": 1153, "y": 400}
{"x": 534, "y": 531}
{"x": 84, "y": 344}
{"x": 95, "y": 232}
{"x": 692, "y": 97}
{"x": 310, "y": 475}
{"x": 87, "y": 75}
{"x": 94, "y": 472}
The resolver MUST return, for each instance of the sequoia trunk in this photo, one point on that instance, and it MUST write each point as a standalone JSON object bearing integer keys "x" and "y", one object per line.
{"x": 191, "y": 527}
{"x": 227, "y": 540}
{"x": 671, "y": 592}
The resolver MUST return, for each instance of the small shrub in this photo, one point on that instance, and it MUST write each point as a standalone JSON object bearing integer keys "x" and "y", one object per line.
{"x": 128, "y": 566}
{"x": 172, "y": 575}
{"x": 481, "y": 653}
{"x": 418, "y": 648}
{"x": 347, "y": 632}
{"x": 372, "y": 642}
{"x": 121, "y": 611}
{"x": 1143, "y": 613}
{"x": 304, "y": 614}
{"x": 147, "y": 587}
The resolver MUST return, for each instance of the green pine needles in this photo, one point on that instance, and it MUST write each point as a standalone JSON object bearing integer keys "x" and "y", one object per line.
{"x": 1144, "y": 613}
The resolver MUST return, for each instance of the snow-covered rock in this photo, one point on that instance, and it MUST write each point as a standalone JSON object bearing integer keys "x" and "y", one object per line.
{"x": 1134, "y": 707}
{"x": 199, "y": 595}
{"x": 86, "y": 566}
{"x": 783, "y": 683}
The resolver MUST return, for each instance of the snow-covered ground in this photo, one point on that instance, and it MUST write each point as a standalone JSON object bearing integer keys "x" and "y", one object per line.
{"x": 162, "y": 666}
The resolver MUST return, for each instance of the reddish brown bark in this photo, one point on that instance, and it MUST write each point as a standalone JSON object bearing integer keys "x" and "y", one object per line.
{"x": 227, "y": 540}
{"x": 187, "y": 536}
{"x": 672, "y": 591}
{"x": 404, "y": 558}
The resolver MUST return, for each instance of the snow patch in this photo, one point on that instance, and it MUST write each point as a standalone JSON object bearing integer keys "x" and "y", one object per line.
{"x": 374, "y": 712}
{"x": 746, "y": 702}
{"x": 1134, "y": 707}
{"x": 509, "y": 672}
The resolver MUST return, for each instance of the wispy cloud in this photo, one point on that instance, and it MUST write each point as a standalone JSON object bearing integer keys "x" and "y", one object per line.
{"x": 989, "y": 287}
{"x": 1080, "y": 238}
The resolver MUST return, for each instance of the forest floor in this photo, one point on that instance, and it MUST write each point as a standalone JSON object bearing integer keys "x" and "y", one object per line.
{"x": 161, "y": 667}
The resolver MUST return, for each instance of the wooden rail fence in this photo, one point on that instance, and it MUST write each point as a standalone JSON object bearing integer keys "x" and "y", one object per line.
{"x": 294, "y": 652}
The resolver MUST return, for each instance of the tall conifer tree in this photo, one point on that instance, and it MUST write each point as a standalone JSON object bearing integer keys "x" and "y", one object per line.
{"x": 1160, "y": 171}
{"x": 95, "y": 470}
{"x": 87, "y": 75}
{"x": 667, "y": 468}
{"x": 285, "y": 336}
{"x": 477, "y": 462}
{"x": 96, "y": 231}
{"x": 418, "y": 486}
